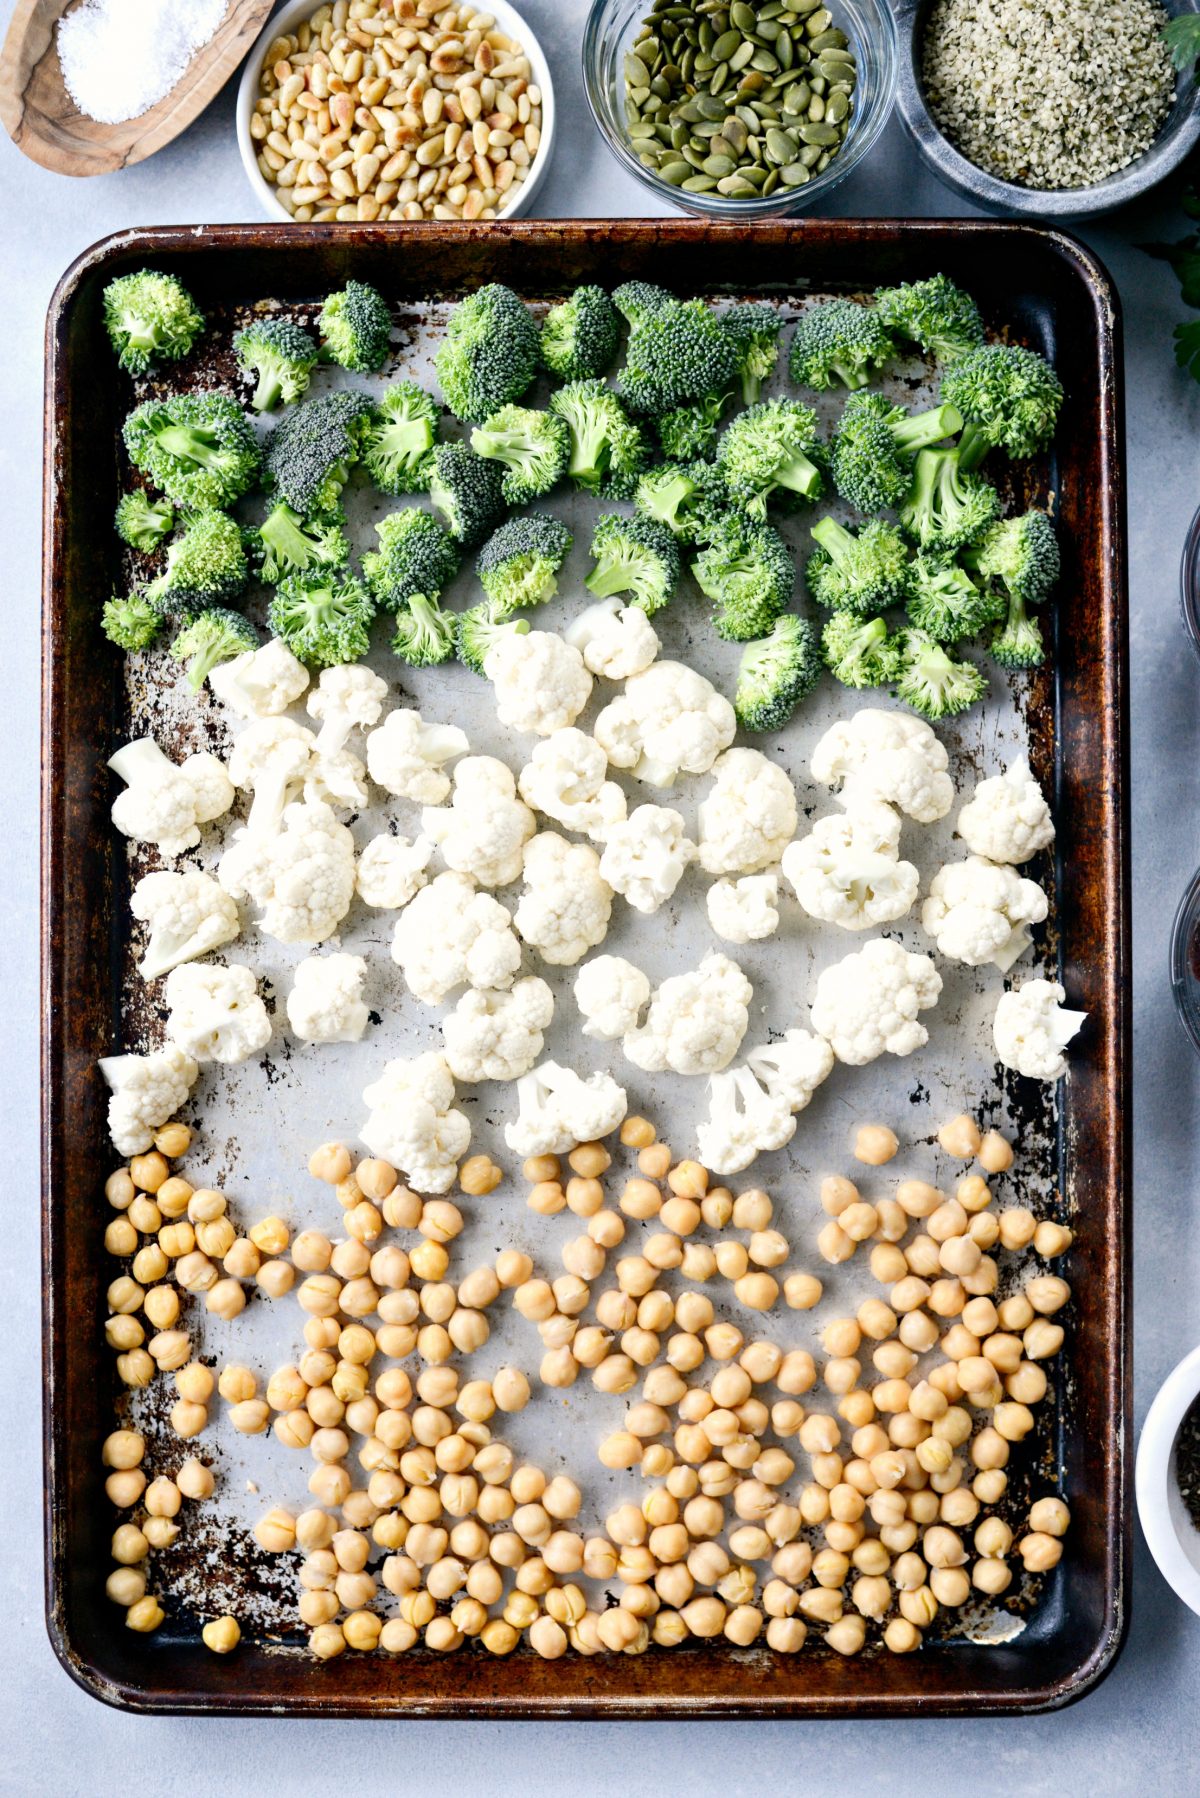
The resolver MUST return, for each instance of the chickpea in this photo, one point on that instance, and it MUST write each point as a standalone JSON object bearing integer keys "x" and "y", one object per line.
{"x": 995, "y": 1153}
{"x": 833, "y": 1244}
{"x": 479, "y": 1176}
{"x": 144, "y": 1615}
{"x": 875, "y": 1144}
{"x": 961, "y": 1138}
{"x": 187, "y": 1418}
{"x": 1049, "y": 1517}
{"x": 252, "y": 1417}
{"x": 801, "y": 1292}
{"x": 331, "y": 1163}
{"x": 222, "y": 1635}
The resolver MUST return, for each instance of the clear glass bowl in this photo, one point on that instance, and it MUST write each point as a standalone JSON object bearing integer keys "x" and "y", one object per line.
{"x": 1189, "y": 583}
{"x": 607, "y": 36}
{"x": 1185, "y": 960}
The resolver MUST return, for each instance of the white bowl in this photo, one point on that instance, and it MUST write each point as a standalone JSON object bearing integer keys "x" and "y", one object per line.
{"x": 521, "y": 195}
{"x": 1173, "y": 1539}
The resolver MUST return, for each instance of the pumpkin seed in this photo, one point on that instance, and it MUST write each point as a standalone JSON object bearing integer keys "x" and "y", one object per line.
{"x": 784, "y": 50}
{"x": 818, "y": 132}
{"x": 743, "y": 16}
{"x": 829, "y": 40}
{"x": 676, "y": 171}
{"x": 817, "y": 22}
{"x": 816, "y": 108}
{"x": 781, "y": 145}
{"x": 794, "y": 175}
{"x": 741, "y": 56}
{"x": 725, "y": 45}
{"x": 698, "y": 184}
{"x": 836, "y": 107}
{"x": 770, "y": 184}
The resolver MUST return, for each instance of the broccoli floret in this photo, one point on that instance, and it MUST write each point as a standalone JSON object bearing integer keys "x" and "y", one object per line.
{"x": 945, "y": 602}
{"x": 1018, "y": 642}
{"x": 634, "y": 556}
{"x": 468, "y": 491}
{"x": 199, "y": 448}
{"x": 415, "y": 555}
{"x": 848, "y": 573}
{"x": 858, "y": 651}
{"x": 873, "y": 446}
{"x": 839, "y": 341}
{"x": 637, "y": 301}
{"x": 285, "y": 542}
{"x": 215, "y": 635}
{"x": 479, "y": 628}
{"x": 746, "y": 569}
{"x": 688, "y": 498}
{"x": 1009, "y": 397}
{"x": 323, "y": 615}
{"x": 930, "y": 682}
{"x": 143, "y": 522}
{"x": 532, "y": 447}
{"x": 762, "y": 455}
{"x": 690, "y": 432}
{"x": 313, "y": 448}
{"x": 398, "y": 446}
{"x": 130, "y": 622}
{"x": 945, "y": 508}
{"x": 281, "y": 355}
{"x": 356, "y": 328}
{"x": 935, "y": 314}
{"x": 150, "y": 315}
{"x": 678, "y": 355}
{"x": 519, "y": 563}
{"x": 579, "y": 335}
{"x": 424, "y": 633}
{"x": 489, "y": 354}
{"x": 776, "y": 672}
{"x": 1021, "y": 553}
{"x": 605, "y": 444}
{"x": 754, "y": 329}
{"x": 206, "y": 566}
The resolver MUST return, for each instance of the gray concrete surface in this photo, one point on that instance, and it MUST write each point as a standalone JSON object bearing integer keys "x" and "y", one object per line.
{"x": 1141, "y": 1729}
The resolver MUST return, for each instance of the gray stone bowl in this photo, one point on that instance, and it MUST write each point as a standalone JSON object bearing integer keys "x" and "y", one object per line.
{"x": 1177, "y": 137}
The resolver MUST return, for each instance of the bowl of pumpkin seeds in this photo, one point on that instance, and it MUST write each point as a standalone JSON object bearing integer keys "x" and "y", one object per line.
{"x": 740, "y": 109}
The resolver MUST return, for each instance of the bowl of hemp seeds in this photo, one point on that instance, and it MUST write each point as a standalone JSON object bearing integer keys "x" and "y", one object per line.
{"x": 1046, "y": 108}
{"x": 1167, "y": 1480}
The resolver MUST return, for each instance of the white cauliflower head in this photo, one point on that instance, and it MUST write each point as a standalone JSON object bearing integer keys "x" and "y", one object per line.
{"x": 645, "y": 858}
{"x": 451, "y": 935}
{"x": 848, "y": 871}
{"x": 301, "y": 880}
{"x": 346, "y": 698}
{"x": 261, "y": 683}
{"x": 696, "y": 1021}
{"x": 215, "y": 1013}
{"x": 408, "y": 758}
{"x": 337, "y": 780}
{"x": 326, "y": 1004}
{"x": 147, "y": 1091}
{"x": 749, "y": 816}
{"x": 744, "y": 1120}
{"x": 565, "y": 779}
{"x": 745, "y": 910}
{"x": 566, "y": 904}
{"x": 888, "y": 756}
{"x": 1031, "y": 1029}
{"x": 164, "y": 804}
{"x": 541, "y": 681}
{"x": 272, "y": 759}
{"x": 413, "y": 1123}
{"x": 867, "y": 1003}
{"x": 792, "y": 1068}
{"x": 668, "y": 721}
{"x": 1007, "y": 818}
{"x": 610, "y": 993}
{"x": 557, "y": 1108}
{"x": 617, "y": 641}
{"x": 980, "y": 911}
{"x": 484, "y": 829}
{"x": 498, "y": 1036}
{"x": 189, "y": 915}
{"x": 391, "y": 870}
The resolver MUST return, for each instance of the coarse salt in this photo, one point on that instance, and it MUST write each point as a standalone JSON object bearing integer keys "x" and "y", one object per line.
{"x": 121, "y": 57}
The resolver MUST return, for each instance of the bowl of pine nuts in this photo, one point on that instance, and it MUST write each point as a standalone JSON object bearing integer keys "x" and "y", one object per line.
{"x": 374, "y": 111}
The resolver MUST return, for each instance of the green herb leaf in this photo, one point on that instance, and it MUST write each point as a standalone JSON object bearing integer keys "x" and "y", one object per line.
{"x": 1184, "y": 257}
{"x": 1182, "y": 38}
{"x": 1187, "y": 347}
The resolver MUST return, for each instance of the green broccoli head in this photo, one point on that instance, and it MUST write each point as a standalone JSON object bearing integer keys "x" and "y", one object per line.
{"x": 313, "y": 448}
{"x": 206, "y": 566}
{"x": 776, "y": 672}
{"x": 605, "y": 444}
{"x": 580, "y": 334}
{"x": 143, "y": 522}
{"x": 468, "y": 491}
{"x": 1021, "y": 553}
{"x": 1017, "y": 641}
{"x": 946, "y": 509}
{"x": 746, "y": 569}
{"x": 398, "y": 446}
{"x": 858, "y": 651}
{"x": 281, "y": 355}
{"x": 533, "y": 448}
{"x": 839, "y": 342}
{"x": 489, "y": 354}
{"x": 944, "y": 602}
{"x": 425, "y": 635}
{"x": 754, "y": 329}
{"x": 323, "y": 615}
{"x": 930, "y": 682}
{"x": 678, "y": 355}
{"x": 356, "y": 328}
{"x": 873, "y": 446}
{"x": 149, "y": 315}
{"x": 480, "y": 628}
{"x": 198, "y": 447}
{"x": 863, "y": 573}
{"x": 637, "y": 301}
{"x": 519, "y": 563}
{"x": 130, "y": 621}
{"x": 762, "y": 456}
{"x": 635, "y": 556}
{"x": 1010, "y": 398}
{"x": 688, "y": 498}
{"x": 415, "y": 555}
{"x": 690, "y": 432}
{"x": 935, "y": 314}
{"x": 214, "y": 635}
{"x": 285, "y": 542}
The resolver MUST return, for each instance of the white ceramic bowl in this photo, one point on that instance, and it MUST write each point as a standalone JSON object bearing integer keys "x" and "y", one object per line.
{"x": 1173, "y": 1539}
{"x": 521, "y": 195}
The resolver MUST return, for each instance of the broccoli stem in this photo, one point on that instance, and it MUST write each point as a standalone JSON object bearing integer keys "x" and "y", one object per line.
{"x": 621, "y": 575}
{"x": 799, "y": 476}
{"x": 141, "y": 333}
{"x": 269, "y": 391}
{"x": 835, "y": 539}
{"x": 850, "y": 377}
{"x": 282, "y": 531}
{"x": 191, "y": 443}
{"x": 926, "y": 428}
{"x": 973, "y": 446}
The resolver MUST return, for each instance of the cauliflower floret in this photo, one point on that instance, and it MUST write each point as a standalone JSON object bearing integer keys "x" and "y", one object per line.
{"x": 979, "y": 911}
{"x": 749, "y": 816}
{"x": 1031, "y": 1030}
{"x": 668, "y": 721}
{"x": 564, "y": 778}
{"x": 164, "y": 804}
{"x": 413, "y": 1124}
{"x": 188, "y": 915}
{"x": 889, "y": 756}
{"x": 541, "y": 681}
{"x": 645, "y": 857}
{"x": 743, "y": 1121}
{"x": 215, "y": 1013}
{"x": 325, "y": 1004}
{"x": 610, "y": 993}
{"x": 261, "y": 683}
{"x": 451, "y": 935}
{"x": 867, "y": 1003}
{"x": 793, "y": 1068}
{"x": 696, "y": 1021}
{"x": 147, "y": 1091}
{"x": 335, "y": 780}
{"x": 484, "y": 829}
{"x": 848, "y": 871}
{"x": 616, "y": 641}
{"x": 557, "y": 1109}
{"x": 746, "y": 910}
{"x": 272, "y": 759}
{"x": 408, "y": 758}
{"x": 302, "y": 880}
{"x": 1007, "y": 819}
{"x": 498, "y": 1036}
{"x": 346, "y": 698}
{"x": 391, "y": 870}
{"x": 565, "y": 907}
